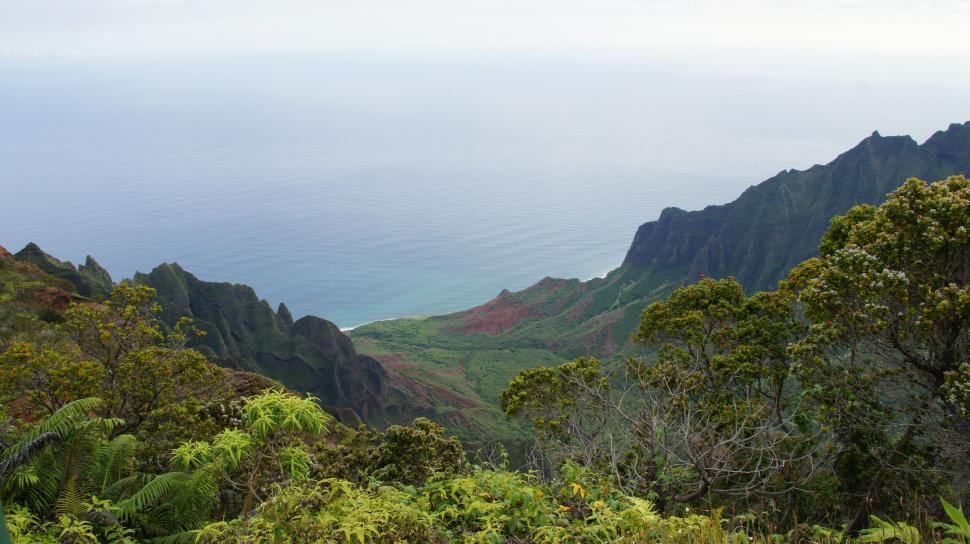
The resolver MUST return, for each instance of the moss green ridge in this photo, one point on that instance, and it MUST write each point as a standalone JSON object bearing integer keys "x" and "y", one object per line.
{"x": 757, "y": 238}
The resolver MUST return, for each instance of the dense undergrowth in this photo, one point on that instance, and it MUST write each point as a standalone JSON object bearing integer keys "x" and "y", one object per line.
{"x": 434, "y": 497}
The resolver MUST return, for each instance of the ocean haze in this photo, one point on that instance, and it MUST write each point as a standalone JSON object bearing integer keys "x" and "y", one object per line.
{"x": 361, "y": 187}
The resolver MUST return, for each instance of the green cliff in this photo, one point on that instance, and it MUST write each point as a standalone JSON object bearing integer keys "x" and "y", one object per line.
{"x": 309, "y": 355}
{"x": 757, "y": 238}
{"x": 90, "y": 279}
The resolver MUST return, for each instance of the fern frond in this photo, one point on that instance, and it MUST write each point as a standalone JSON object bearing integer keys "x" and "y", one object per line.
{"x": 112, "y": 462}
{"x": 62, "y": 422}
{"x": 24, "y": 451}
{"x": 191, "y": 506}
{"x": 178, "y": 538}
{"x": 71, "y": 500}
{"x": 125, "y": 486}
{"x": 151, "y": 493}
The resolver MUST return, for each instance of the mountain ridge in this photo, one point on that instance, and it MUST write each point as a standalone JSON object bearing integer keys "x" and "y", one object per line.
{"x": 452, "y": 367}
{"x": 241, "y": 332}
{"x": 755, "y": 238}
{"x": 309, "y": 355}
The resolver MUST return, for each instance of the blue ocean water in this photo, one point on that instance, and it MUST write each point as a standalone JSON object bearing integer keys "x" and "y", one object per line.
{"x": 365, "y": 188}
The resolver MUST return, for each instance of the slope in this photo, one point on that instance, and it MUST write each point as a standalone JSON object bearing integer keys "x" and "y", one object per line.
{"x": 757, "y": 238}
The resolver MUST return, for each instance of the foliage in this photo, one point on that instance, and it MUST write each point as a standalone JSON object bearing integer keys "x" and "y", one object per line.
{"x": 118, "y": 351}
{"x": 329, "y": 511}
{"x": 401, "y": 454}
{"x": 959, "y": 530}
{"x": 716, "y": 411}
{"x": 722, "y": 408}
{"x": 889, "y": 307}
{"x": 883, "y": 530}
{"x": 267, "y": 447}
{"x": 59, "y": 469}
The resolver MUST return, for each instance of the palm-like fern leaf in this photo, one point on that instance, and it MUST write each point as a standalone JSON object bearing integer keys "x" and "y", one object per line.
{"x": 151, "y": 493}
{"x": 113, "y": 461}
{"x": 62, "y": 422}
{"x": 71, "y": 500}
{"x": 20, "y": 456}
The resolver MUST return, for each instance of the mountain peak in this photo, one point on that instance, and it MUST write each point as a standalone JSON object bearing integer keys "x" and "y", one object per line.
{"x": 285, "y": 315}
{"x": 89, "y": 279}
{"x": 777, "y": 224}
{"x": 952, "y": 143}
{"x": 671, "y": 211}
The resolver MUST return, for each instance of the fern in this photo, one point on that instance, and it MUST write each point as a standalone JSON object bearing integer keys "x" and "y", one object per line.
{"x": 112, "y": 462}
{"x": 24, "y": 451}
{"x": 71, "y": 500}
{"x": 190, "y": 507}
{"x": 149, "y": 495}
{"x": 64, "y": 421}
{"x": 126, "y": 486}
{"x": 184, "y": 537}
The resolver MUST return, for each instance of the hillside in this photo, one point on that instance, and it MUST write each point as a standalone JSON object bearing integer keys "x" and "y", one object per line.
{"x": 29, "y": 297}
{"x": 309, "y": 355}
{"x": 757, "y": 238}
{"x": 32, "y": 298}
{"x": 452, "y": 368}
{"x": 90, "y": 279}
{"x": 241, "y": 331}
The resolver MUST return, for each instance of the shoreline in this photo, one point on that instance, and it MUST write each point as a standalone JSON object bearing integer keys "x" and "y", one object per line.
{"x": 413, "y": 316}
{"x": 425, "y": 316}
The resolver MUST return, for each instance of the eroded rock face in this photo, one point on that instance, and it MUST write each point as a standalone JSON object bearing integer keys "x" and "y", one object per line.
{"x": 777, "y": 224}
{"x": 284, "y": 314}
{"x": 90, "y": 279}
{"x": 310, "y": 355}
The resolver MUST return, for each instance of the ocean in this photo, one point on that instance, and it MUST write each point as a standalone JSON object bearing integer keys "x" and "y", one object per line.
{"x": 365, "y": 187}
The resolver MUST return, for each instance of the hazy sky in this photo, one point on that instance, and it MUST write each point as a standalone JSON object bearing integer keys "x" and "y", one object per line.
{"x": 721, "y": 31}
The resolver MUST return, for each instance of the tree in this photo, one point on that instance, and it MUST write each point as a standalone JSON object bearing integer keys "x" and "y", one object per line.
{"x": 267, "y": 447}
{"x": 722, "y": 409}
{"x": 117, "y": 351}
{"x": 715, "y": 410}
{"x": 570, "y": 409}
{"x": 885, "y": 357}
{"x": 402, "y": 454}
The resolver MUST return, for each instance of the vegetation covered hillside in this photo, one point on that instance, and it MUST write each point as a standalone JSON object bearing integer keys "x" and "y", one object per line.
{"x": 310, "y": 355}
{"x": 241, "y": 332}
{"x": 833, "y": 409}
{"x": 757, "y": 239}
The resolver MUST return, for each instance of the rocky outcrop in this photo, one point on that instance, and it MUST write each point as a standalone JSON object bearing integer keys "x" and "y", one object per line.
{"x": 89, "y": 279}
{"x": 310, "y": 355}
{"x": 284, "y": 314}
{"x": 777, "y": 224}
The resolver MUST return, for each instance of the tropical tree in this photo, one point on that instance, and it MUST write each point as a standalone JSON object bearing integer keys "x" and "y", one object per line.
{"x": 268, "y": 446}
{"x": 571, "y": 409}
{"x": 118, "y": 351}
{"x": 888, "y": 346}
{"x": 722, "y": 407}
{"x": 715, "y": 410}
{"x": 406, "y": 454}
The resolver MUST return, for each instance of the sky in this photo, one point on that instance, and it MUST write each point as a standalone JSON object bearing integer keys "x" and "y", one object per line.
{"x": 720, "y": 31}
